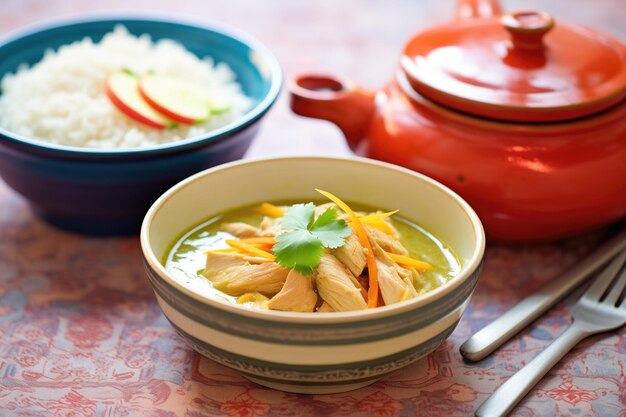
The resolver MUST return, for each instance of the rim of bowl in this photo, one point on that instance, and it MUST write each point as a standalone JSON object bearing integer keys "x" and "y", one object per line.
{"x": 332, "y": 317}
{"x": 214, "y": 135}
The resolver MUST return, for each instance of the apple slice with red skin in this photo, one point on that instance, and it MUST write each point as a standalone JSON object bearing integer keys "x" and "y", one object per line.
{"x": 122, "y": 89}
{"x": 176, "y": 98}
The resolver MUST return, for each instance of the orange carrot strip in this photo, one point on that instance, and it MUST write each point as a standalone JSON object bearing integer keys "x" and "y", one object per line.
{"x": 379, "y": 224}
{"x": 377, "y": 221}
{"x": 250, "y": 249}
{"x": 269, "y": 240}
{"x": 264, "y": 247}
{"x": 405, "y": 260}
{"x": 372, "y": 294}
{"x": 224, "y": 250}
{"x": 378, "y": 216}
{"x": 270, "y": 210}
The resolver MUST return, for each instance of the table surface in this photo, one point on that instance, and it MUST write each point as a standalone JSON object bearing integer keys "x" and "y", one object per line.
{"x": 82, "y": 335}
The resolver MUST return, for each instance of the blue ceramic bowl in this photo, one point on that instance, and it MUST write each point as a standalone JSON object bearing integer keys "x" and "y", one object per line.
{"x": 107, "y": 192}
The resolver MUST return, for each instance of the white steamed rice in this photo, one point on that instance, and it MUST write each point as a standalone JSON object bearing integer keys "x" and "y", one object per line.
{"x": 62, "y": 98}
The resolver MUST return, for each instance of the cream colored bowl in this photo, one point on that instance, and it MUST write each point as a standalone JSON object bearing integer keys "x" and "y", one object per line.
{"x": 305, "y": 352}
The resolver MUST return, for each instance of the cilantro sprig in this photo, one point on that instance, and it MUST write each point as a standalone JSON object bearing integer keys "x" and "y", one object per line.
{"x": 302, "y": 245}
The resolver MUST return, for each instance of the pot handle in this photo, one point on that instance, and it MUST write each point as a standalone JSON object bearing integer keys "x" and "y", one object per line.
{"x": 469, "y": 9}
{"x": 337, "y": 100}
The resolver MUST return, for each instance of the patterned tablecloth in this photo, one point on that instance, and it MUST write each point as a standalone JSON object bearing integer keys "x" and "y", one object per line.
{"x": 82, "y": 335}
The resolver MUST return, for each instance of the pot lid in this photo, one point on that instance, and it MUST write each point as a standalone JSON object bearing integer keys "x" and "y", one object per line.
{"x": 518, "y": 67}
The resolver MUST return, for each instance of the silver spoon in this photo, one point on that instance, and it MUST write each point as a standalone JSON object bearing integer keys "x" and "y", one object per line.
{"x": 602, "y": 308}
{"x": 490, "y": 337}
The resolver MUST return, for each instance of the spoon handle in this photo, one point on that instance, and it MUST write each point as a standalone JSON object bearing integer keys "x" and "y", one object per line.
{"x": 490, "y": 337}
{"x": 502, "y": 401}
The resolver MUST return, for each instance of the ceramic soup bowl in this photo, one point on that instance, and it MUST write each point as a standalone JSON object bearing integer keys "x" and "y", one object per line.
{"x": 313, "y": 352}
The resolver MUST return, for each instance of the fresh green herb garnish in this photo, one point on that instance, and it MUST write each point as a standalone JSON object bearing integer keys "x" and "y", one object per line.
{"x": 301, "y": 247}
{"x": 130, "y": 72}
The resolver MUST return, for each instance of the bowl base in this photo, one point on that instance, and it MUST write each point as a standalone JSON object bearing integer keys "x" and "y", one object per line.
{"x": 311, "y": 389}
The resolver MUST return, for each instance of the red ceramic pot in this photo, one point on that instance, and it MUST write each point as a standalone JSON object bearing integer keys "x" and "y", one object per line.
{"x": 525, "y": 118}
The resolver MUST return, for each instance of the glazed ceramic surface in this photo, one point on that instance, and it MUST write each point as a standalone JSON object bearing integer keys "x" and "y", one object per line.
{"x": 300, "y": 352}
{"x": 108, "y": 191}
{"x": 534, "y": 141}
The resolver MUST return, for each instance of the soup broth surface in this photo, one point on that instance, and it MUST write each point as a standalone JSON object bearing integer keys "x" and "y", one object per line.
{"x": 186, "y": 259}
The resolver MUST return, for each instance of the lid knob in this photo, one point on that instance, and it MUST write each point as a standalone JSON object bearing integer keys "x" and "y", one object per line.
{"x": 527, "y": 29}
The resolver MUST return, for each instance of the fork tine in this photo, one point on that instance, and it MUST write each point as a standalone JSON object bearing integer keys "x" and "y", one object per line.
{"x": 617, "y": 289}
{"x": 605, "y": 278}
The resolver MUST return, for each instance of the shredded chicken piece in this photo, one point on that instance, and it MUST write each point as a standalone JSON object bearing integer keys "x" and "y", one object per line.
{"x": 325, "y": 308}
{"x": 409, "y": 273}
{"x": 393, "y": 288}
{"x": 352, "y": 255}
{"x": 409, "y": 291}
{"x": 236, "y": 274}
{"x": 385, "y": 241}
{"x": 337, "y": 286}
{"x": 269, "y": 227}
{"x": 254, "y": 300}
{"x": 391, "y": 285}
{"x": 296, "y": 295}
{"x": 241, "y": 230}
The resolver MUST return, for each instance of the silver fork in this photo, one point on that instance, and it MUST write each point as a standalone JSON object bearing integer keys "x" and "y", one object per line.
{"x": 602, "y": 308}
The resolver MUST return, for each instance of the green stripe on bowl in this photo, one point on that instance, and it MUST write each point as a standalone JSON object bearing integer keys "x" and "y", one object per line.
{"x": 311, "y": 333}
{"x": 346, "y": 372}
